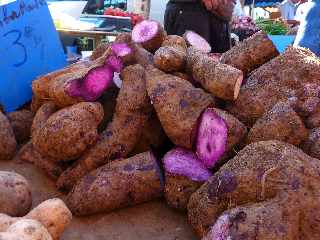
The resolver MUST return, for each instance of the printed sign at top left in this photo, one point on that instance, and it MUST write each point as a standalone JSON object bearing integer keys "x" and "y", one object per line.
{"x": 30, "y": 47}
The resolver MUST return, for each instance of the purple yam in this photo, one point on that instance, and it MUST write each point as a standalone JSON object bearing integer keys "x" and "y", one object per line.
{"x": 93, "y": 85}
{"x": 219, "y": 231}
{"x": 115, "y": 63}
{"x": 211, "y": 139}
{"x": 121, "y": 49}
{"x": 195, "y": 40}
{"x": 184, "y": 162}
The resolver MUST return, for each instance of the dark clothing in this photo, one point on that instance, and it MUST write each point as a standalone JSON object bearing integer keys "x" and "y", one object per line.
{"x": 184, "y": 15}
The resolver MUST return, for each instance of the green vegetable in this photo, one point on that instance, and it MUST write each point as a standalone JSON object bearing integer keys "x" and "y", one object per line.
{"x": 272, "y": 27}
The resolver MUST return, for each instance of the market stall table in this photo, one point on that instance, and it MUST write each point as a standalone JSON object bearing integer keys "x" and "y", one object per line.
{"x": 97, "y": 36}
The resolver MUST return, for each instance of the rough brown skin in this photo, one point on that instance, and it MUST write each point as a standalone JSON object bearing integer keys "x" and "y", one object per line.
{"x": 36, "y": 103}
{"x": 275, "y": 81}
{"x": 261, "y": 171}
{"x": 8, "y": 143}
{"x": 122, "y": 134}
{"x": 42, "y": 115}
{"x": 15, "y": 194}
{"x": 313, "y": 121}
{"x": 178, "y": 190}
{"x": 251, "y": 53}
{"x": 99, "y": 51}
{"x": 108, "y": 101}
{"x": 311, "y": 145}
{"x": 49, "y": 166}
{"x": 221, "y": 80}
{"x": 268, "y": 220}
{"x": 152, "y": 137}
{"x": 76, "y": 132}
{"x": 184, "y": 76}
{"x": 156, "y": 42}
{"x": 53, "y": 214}
{"x": 27, "y": 229}
{"x": 280, "y": 123}
{"x": 117, "y": 185}
{"x": 171, "y": 56}
{"x": 178, "y": 105}
{"x": 21, "y": 122}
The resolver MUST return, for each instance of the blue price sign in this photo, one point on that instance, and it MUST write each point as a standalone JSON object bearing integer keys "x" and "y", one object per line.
{"x": 30, "y": 47}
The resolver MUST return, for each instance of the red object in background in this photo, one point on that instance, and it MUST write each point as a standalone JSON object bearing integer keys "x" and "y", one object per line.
{"x": 135, "y": 18}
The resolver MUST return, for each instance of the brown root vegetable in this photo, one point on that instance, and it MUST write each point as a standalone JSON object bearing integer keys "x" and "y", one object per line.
{"x": 150, "y": 34}
{"x": 99, "y": 51}
{"x": 196, "y": 41}
{"x": 152, "y": 136}
{"x": 280, "y": 123}
{"x": 251, "y": 53}
{"x": 261, "y": 171}
{"x": 42, "y": 115}
{"x": 117, "y": 185}
{"x": 275, "y": 81}
{"x": 171, "y": 56}
{"x": 311, "y": 145}
{"x": 49, "y": 166}
{"x": 8, "y": 143}
{"x": 15, "y": 194}
{"x": 76, "y": 132}
{"x": 143, "y": 57}
{"x": 184, "y": 174}
{"x": 28, "y": 229}
{"x": 36, "y": 103}
{"x": 313, "y": 121}
{"x": 170, "y": 59}
{"x": 178, "y": 105}
{"x": 218, "y": 134}
{"x": 21, "y": 122}
{"x": 53, "y": 214}
{"x": 184, "y": 76}
{"x": 221, "y": 80}
{"x": 123, "y": 132}
{"x": 275, "y": 218}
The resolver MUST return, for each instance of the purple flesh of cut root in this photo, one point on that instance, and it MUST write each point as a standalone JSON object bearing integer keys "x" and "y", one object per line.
{"x": 121, "y": 49}
{"x": 220, "y": 230}
{"x": 93, "y": 85}
{"x": 115, "y": 63}
{"x": 211, "y": 140}
{"x": 198, "y": 42}
{"x": 145, "y": 31}
{"x": 184, "y": 162}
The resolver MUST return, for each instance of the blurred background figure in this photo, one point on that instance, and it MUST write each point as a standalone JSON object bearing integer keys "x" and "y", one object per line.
{"x": 288, "y": 9}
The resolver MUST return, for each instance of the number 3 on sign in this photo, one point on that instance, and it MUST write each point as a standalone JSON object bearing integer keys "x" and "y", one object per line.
{"x": 19, "y": 45}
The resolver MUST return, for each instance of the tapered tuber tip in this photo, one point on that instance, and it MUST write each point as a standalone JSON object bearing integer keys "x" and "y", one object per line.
{"x": 184, "y": 162}
{"x": 195, "y": 40}
{"x": 145, "y": 31}
{"x": 211, "y": 140}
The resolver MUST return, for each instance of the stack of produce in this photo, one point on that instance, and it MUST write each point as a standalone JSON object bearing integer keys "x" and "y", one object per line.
{"x": 243, "y": 27}
{"x": 135, "y": 18}
{"x": 224, "y": 150}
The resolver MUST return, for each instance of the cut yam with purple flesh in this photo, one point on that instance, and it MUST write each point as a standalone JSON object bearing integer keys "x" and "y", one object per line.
{"x": 211, "y": 138}
{"x": 150, "y": 34}
{"x": 185, "y": 173}
{"x": 195, "y": 40}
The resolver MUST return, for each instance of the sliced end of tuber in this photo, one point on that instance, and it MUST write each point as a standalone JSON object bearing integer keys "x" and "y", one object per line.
{"x": 211, "y": 139}
{"x": 93, "y": 85}
{"x": 115, "y": 63}
{"x": 145, "y": 31}
{"x": 121, "y": 49}
{"x": 180, "y": 161}
{"x": 195, "y": 40}
{"x": 220, "y": 230}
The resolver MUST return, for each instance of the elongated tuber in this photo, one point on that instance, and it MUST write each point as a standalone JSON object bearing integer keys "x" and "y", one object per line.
{"x": 76, "y": 131}
{"x": 116, "y": 185}
{"x": 178, "y": 105}
{"x": 251, "y": 53}
{"x": 123, "y": 132}
{"x": 184, "y": 174}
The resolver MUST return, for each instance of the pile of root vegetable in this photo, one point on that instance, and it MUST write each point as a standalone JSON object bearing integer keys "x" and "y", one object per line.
{"x": 233, "y": 141}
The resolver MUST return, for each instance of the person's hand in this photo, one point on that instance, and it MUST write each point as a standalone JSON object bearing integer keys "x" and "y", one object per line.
{"x": 211, "y": 4}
